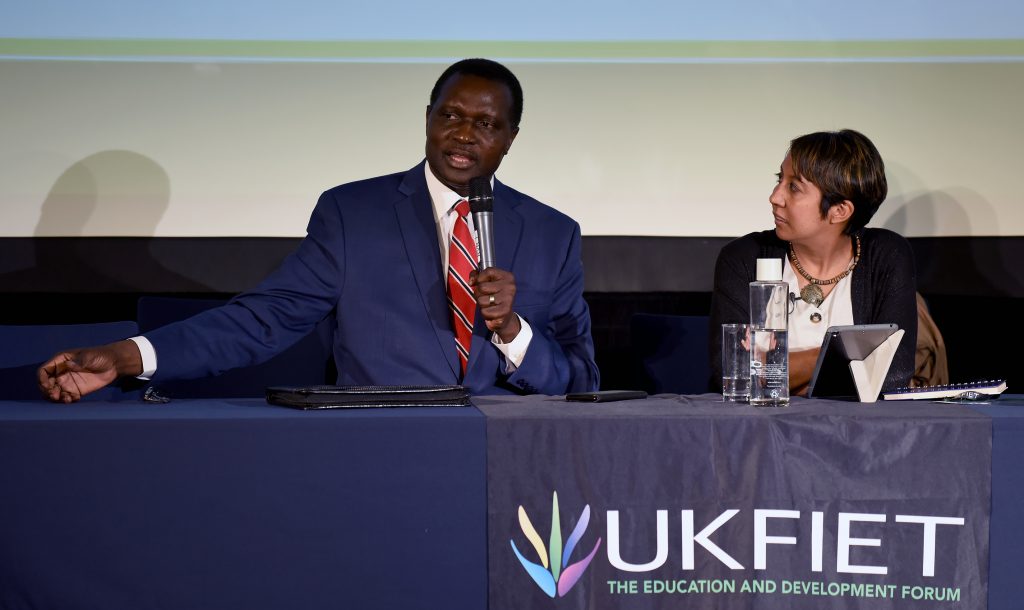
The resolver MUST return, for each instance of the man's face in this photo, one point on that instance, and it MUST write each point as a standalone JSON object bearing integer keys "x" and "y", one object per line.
{"x": 468, "y": 130}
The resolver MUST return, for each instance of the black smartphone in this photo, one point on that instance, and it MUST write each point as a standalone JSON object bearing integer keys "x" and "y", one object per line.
{"x": 606, "y": 395}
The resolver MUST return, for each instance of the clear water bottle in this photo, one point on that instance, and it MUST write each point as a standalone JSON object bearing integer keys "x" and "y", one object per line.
{"x": 769, "y": 337}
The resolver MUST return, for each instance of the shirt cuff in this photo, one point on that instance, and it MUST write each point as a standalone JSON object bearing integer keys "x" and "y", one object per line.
{"x": 514, "y": 351}
{"x": 148, "y": 357}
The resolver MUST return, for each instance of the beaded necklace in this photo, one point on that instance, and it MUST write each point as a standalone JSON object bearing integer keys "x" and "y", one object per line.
{"x": 811, "y": 293}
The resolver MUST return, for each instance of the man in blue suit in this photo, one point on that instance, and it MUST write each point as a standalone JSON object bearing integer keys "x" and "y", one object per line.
{"x": 376, "y": 257}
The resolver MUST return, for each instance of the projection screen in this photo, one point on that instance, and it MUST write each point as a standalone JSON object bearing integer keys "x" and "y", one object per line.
{"x": 645, "y": 118}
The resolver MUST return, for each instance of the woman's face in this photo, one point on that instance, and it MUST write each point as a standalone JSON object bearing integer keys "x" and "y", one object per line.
{"x": 796, "y": 206}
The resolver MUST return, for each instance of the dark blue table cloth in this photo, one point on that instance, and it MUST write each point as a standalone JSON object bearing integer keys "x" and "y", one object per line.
{"x": 662, "y": 498}
{"x": 234, "y": 504}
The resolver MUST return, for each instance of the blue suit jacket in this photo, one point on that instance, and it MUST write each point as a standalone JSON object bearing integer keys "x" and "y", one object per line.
{"x": 371, "y": 259}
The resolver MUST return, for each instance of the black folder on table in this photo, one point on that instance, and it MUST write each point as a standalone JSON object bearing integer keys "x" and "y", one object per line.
{"x": 345, "y": 397}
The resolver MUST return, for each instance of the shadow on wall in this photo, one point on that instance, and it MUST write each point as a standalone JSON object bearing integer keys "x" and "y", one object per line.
{"x": 950, "y": 226}
{"x": 920, "y": 214}
{"x": 919, "y": 211}
{"x": 971, "y": 282}
{"x": 103, "y": 193}
{"x": 956, "y": 211}
{"x": 99, "y": 195}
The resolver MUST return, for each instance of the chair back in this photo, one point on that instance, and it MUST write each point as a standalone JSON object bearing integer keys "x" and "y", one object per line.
{"x": 24, "y": 348}
{"x": 931, "y": 366}
{"x": 672, "y": 352}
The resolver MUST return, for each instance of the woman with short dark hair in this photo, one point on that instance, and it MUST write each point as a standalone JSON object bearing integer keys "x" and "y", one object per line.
{"x": 829, "y": 186}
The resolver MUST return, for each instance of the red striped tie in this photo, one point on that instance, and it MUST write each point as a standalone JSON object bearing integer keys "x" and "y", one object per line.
{"x": 461, "y": 260}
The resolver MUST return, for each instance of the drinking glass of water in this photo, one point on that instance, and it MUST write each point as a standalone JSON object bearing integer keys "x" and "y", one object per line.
{"x": 736, "y": 362}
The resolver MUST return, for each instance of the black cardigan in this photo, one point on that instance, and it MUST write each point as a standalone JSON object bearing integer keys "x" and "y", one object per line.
{"x": 883, "y": 290}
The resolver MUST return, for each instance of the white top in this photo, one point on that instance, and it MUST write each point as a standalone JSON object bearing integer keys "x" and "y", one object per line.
{"x": 835, "y": 310}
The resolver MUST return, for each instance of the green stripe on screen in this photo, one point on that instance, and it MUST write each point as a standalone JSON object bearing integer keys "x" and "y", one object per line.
{"x": 355, "y": 50}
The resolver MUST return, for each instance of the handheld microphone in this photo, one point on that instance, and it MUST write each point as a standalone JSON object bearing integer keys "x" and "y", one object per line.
{"x": 481, "y": 204}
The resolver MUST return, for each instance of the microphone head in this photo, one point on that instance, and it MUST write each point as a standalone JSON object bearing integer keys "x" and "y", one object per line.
{"x": 481, "y": 198}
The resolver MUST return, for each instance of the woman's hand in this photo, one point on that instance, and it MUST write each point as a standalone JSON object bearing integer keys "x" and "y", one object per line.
{"x": 801, "y": 367}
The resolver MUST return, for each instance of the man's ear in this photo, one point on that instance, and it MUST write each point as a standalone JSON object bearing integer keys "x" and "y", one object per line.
{"x": 515, "y": 132}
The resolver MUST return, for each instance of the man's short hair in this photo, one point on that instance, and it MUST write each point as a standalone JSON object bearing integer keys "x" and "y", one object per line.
{"x": 844, "y": 165}
{"x": 490, "y": 70}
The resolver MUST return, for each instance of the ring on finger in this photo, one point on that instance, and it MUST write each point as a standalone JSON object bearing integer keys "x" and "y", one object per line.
{"x": 491, "y": 300}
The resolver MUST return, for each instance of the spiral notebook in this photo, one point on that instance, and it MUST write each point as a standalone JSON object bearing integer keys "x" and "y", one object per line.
{"x": 975, "y": 390}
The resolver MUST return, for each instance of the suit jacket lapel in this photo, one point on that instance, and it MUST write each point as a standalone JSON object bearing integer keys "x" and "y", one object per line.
{"x": 508, "y": 226}
{"x": 419, "y": 232}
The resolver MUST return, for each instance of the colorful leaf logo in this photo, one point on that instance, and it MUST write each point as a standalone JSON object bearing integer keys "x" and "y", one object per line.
{"x": 554, "y": 574}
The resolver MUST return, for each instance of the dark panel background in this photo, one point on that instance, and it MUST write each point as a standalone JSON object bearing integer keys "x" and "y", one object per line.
{"x": 973, "y": 285}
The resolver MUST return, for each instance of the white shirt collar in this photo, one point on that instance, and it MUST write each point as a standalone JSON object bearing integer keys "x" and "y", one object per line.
{"x": 442, "y": 197}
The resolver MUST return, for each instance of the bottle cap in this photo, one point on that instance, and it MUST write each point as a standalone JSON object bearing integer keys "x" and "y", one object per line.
{"x": 769, "y": 269}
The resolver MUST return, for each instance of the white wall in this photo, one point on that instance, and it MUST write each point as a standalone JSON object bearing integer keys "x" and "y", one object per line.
{"x": 220, "y": 149}
{"x": 228, "y": 118}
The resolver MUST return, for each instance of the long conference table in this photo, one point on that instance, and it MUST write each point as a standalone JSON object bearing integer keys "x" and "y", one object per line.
{"x": 663, "y": 502}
